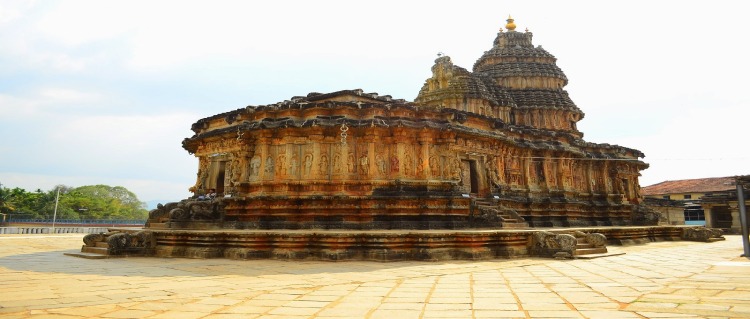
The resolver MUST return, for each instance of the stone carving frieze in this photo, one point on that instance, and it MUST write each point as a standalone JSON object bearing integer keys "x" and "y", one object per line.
{"x": 222, "y": 146}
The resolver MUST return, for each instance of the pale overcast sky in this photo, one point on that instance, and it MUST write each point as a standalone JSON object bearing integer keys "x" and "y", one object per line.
{"x": 103, "y": 92}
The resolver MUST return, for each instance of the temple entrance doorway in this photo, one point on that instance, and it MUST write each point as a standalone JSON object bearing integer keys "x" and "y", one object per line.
{"x": 469, "y": 177}
{"x": 220, "y": 176}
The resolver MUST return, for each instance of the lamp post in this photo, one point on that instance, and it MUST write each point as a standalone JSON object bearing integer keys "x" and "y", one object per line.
{"x": 743, "y": 217}
{"x": 54, "y": 216}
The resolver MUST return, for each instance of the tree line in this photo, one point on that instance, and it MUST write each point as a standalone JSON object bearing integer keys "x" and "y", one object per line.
{"x": 85, "y": 202}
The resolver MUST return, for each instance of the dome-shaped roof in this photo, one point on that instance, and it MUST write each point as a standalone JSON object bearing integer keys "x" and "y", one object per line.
{"x": 525, "y": 69}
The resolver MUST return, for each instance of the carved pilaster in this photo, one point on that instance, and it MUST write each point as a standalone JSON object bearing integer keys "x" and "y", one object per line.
{"x": 202, "y": 176}
{"x": 423, "y": 163}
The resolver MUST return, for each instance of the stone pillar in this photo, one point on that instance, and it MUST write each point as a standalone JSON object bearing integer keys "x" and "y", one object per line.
{"x": 708, "y": 214}
{"x": 734, "y": 209}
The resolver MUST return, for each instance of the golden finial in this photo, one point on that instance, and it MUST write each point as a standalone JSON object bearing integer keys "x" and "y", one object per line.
{"x": 510, "y": 26}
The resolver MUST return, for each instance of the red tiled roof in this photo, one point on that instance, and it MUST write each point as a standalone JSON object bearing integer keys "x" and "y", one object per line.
{"x": 700, "y": 185}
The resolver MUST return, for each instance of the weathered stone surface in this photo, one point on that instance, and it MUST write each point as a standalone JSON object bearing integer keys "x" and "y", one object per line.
{"x": 545, "y": 243}
{"x": 702, "y": 234}
{"x": 596, "y": 239}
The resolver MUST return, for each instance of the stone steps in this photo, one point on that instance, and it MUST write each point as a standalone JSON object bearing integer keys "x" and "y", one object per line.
{"x": 509, "y": 221}
{"x": 586, "y": 250}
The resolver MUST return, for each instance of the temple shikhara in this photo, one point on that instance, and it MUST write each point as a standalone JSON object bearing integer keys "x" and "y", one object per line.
{"x": 486, "y": 156}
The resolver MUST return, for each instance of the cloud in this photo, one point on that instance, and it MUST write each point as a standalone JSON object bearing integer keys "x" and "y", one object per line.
{"x": 125, "y": 146}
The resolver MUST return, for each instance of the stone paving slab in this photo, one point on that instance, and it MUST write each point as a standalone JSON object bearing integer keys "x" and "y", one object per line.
{"x": 656, "y": 280}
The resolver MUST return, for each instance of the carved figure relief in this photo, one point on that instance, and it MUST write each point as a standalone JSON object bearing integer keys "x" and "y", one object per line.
{"x": 394, "y": 164}
{"x": 407, "y": 164}
{"x": 323, "y": 165}
{"x": 269, "y": 166}
{"x": 619, "y": 186}
{"x": 281, "y": 165}
{"x": 364, "y": 165}
{"x": 382, "y": 165}
{"x": 234, "y": 171}
{"x": 434, "y": 166}
{"x": 420, "y": 166}
{"x": 337, "y": 163}
{"x": 293, "y": 165}
{"x": 255, "y": 166}
{"x": 456, "y": 169}
{"x": 308, "y": 164}
{"x": 350, "y": 164}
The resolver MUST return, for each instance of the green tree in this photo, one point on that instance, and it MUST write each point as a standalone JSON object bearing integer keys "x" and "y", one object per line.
{"x": 85, "y": 202}
{"x": 105, "y": 202}
{"x": 7, "y": 204}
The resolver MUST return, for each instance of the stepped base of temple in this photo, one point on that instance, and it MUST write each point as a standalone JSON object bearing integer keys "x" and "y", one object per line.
{"x": 379, "y": 245}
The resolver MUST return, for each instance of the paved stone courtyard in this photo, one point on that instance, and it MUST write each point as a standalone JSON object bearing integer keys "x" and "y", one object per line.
{"x": 657, "y": 280}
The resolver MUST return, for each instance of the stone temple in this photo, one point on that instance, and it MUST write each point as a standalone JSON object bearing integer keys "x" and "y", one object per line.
{"x": 474, "y": 166}
{"x": 503, "y": 135}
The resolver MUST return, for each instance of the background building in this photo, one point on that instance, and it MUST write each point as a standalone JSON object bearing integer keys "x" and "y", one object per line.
{"x": 704, "y": 201}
